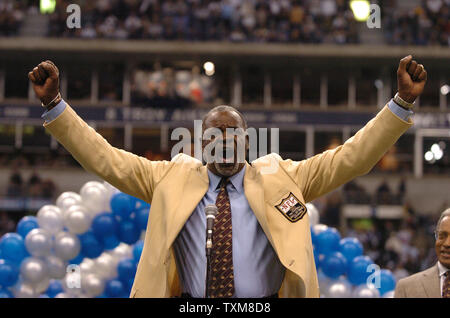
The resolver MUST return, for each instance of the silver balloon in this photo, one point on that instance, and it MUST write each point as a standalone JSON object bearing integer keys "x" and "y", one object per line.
{"x": 38, "y": 242}
{"x": 77, "y": 219}
{"x": 67, "y": 246}
{"x": 110, "y": 191}
{"x": 366, "y": 291}
{"x": 68, "y": 199}
{"x": 33, "y": 270}
{"x": 24, "y": 290}
{"x": 313, "y": 214}
{"x": 63, "y": 295}
{"x": 92, "y": 285}
{"x": 339, "y": 289}
{"x": 122, "y": 251}
{"x": 105, "y": 266}
{"x": 87, "y": 266}
{"x": 56, "y": 267}
{"x": 41, "y": 286}
{"x": 94, "y": 196}
{"x": 50, "y": 218}
{"x": 389, "y": 294}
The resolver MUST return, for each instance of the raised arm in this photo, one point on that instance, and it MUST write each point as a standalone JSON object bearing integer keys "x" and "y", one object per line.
{"x": 129, "y": 173}
{"x": 325, "y": 172}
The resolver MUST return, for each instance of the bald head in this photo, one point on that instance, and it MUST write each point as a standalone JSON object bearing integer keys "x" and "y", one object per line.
{"x": 225, "y": 108}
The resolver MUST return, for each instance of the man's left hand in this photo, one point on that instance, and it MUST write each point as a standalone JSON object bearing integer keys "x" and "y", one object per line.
{"x": 411, "y": 79}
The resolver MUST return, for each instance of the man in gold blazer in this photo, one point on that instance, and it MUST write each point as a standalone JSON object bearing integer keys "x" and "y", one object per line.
{"x": 268, "y": 228}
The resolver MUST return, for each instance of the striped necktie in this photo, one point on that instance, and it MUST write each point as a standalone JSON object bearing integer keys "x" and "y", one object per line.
{"x": 222, "y": 275}
{"x": 446, "y": 286}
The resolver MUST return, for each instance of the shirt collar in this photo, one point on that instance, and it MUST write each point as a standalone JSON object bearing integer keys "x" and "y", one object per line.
{"x": 442, "y": 269}
{"x": 236, "y": 180}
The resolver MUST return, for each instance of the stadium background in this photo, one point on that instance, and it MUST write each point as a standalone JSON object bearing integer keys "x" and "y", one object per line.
{"x": 136, "y": 70}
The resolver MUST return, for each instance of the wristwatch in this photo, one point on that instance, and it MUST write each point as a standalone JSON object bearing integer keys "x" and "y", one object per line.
{"x": 401, "y": 102}
{"x": 53, "y": 103}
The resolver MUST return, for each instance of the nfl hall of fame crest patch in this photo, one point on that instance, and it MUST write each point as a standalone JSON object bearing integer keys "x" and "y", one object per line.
{"x": 292, "y": 208}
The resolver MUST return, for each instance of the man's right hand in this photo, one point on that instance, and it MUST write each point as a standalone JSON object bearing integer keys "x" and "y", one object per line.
{"x": 45, "y": 79}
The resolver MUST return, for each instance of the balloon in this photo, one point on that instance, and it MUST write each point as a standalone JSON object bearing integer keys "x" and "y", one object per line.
{"x": 328, "y": 241}
{"x": 137, "y": 251}
{"x": 4, "y": 293}
{"x": 68, "y": 199}
{"x": 110, "y": 191}
{"x": 350, "y": 247}
{"x": 94, "y": 195}
{"x": 318, "y": 228}
{"x": 313, "y": 214}
{"x": 122, "y": 251}
{"x": 365, "y": 291}
{"x": 110, "y": 242}
{"x": 71, "y": 283}
{"x": 77, "y": 260}
{"x": 67, "y": 246}
{"x": 26, "y": 224}
{"x": 389, "y": 294}
{"x": 13, "y": 248}
{"x": 92, "y": 285}
{"x": 38, "y": 242}
{"x": 50, "y": 218}
{"x": 114, "y": 288}
{"x": 105, "y": 267}
{"x": 104, "y": 225}
{"x": 359, "y": 270}
{"x": 41, "y": 286}
{"x": 141, "y": 205}
{"x": 126, "y": 269}
{"x": 334, "y": 265}
{"x": 77, "y": 219}
{"x": 24, "y": 290}
{"x": 44, "y": 296}
{"x": 62, "y": 295}
{"x": 128, "y": 232}
{"x": 141, "y": 218}
{"x": 9, "y": 273}
{"x": 90, "y": 246}
{"x": 316, "y": 258}
{"x": 122, "y": 205}
{"x": 324, "y": 282}
{"x": 387, "y": 282}
{"x": 87, "y": 266}
{"x": 56, "y": 267}
{"x": 33, "y": 270}
{"x": 339, "y": 289}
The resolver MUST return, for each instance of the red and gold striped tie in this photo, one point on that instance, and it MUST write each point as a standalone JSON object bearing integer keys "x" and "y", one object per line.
{"x": 446, "y": 286}
{"x": 222, "y": 275}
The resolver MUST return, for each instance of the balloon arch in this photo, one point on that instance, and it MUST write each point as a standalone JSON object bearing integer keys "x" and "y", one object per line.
{"x": 89, "y": 244}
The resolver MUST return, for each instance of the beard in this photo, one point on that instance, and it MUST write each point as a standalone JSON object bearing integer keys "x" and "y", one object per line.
{"x": 226, "y": 169}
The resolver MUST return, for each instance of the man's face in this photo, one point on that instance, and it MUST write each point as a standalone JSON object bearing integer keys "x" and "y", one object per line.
{"x": 222, "y": 120}
{"x": 442, "y": 245}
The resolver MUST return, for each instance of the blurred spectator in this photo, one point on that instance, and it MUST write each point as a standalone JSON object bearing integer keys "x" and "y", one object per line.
{"x": 355, "y": 194}
{"x": 11, "y": 17}
{"x": 6, "y": 223}
{"x": 15, "y": 186}
{"x": 34, "y": 186}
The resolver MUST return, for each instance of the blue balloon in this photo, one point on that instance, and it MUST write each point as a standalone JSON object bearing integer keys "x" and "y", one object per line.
{"x": 359, "y": 270}
{"x": 44, "y": 296}
{"x": 54, "y": 288}
{"x": 110, "y": 242}
{"x": 126, "y": 270}
{"x": 90, "y": 246}
{"x": 141, "y": 204}
{"x": 350, "y": 247}
{"x": 328, "y": 241}
{"x": 9, "y": 273}
{"x": 4, "y": 293}
{"x": 104, "y": 225}
{"x": 137, "y": 251}
{"x": 334, "y": 265}
{"x": 26, "y": 224}
{"x": 77, "y": 260}
{"x": 141, "y": 218}
{"x": 122, "y": 205}
{"x": 13, "y": 247}
{"x": 128, "y": 232}
{"x": 114, "y": 288}
{"x": 387, "y": 281}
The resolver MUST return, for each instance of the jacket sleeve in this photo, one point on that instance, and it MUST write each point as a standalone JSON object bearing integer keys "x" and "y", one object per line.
{"x": 129, "y": 173}
{"x": 325, "y": 172}
{"x": 400, "y": 290}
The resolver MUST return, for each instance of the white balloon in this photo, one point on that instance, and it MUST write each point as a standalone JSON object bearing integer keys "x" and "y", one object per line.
{"x": 105, "y": 266}
{"x": 366, "y": 291}
{"x": 92, "y": 285}
{"x": 122, "y": 251}
{"x": 24, "y": 290}
{"x": 313, "y": 214}
{"x": 87, "y": 266}
{"x": 67, "y": 246}
{"x": 77, "y": 219}
{"x": 50, "y": 218}
{"x": 56, "y": 267}
{"x": 68, "y": 199}
{"x": 339, "y": 290}
{"x": 39, "y": 242}
{"x": 319, "y": 228}
{"x": 389, "y": 294}
{"x": 94, "y": 196}
{"x": 33, "y": 270}
{"x": 110, "y": 190}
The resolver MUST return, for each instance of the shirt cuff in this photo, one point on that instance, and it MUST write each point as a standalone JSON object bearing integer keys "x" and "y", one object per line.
{"x": 53, "y": 113}
{"x": 399, "y": 111}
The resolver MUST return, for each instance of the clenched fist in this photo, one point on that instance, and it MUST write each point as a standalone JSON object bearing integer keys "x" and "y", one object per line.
{"x": 411, "y": 79}
{"x": 45, "y": 79}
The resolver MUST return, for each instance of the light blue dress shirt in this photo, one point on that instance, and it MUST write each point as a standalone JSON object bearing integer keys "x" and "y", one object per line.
{"x": 257, "y": 269}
